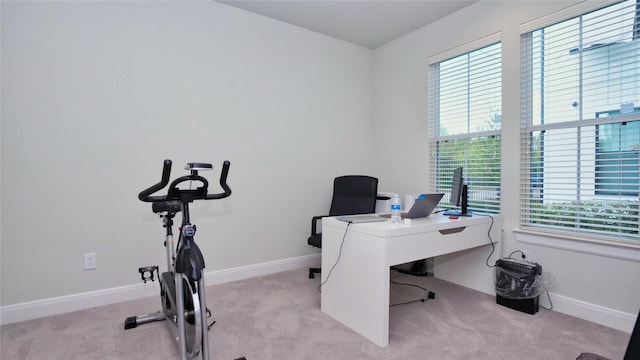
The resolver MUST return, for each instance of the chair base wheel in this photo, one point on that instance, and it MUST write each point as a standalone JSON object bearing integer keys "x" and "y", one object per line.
{"x": 313, "y": 271}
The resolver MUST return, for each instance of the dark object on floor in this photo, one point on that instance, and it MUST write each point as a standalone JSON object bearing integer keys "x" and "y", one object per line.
{"x": 529, "y": 306}
{"x": 590, "y": 356}
{"x": 517, "y": 285}
{"x": 633, "y": 349}
{"x": 416, "y": 268}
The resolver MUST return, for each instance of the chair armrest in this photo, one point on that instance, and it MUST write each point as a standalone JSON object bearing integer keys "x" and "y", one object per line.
{"x": 314, "y": 223}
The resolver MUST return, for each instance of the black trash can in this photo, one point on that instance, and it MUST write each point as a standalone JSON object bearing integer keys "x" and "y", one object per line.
{"x": 518, "y": 284}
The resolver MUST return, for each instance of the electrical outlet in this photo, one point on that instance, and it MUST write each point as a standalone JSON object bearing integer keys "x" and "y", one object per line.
{"x": 90, "y": 261}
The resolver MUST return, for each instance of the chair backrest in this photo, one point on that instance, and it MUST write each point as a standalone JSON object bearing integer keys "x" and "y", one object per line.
{"x": 354, "y": 194}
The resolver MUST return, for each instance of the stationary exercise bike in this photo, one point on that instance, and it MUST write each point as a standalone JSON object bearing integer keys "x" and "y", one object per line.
{"x": 182, "y": 288}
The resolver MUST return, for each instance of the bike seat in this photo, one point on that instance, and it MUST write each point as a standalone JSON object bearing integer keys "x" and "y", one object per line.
{"x": 167, "y": 206}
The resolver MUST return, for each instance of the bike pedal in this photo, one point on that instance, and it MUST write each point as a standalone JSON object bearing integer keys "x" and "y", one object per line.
{"x": 130, "y": 322}
{"x": 146, "y": 272}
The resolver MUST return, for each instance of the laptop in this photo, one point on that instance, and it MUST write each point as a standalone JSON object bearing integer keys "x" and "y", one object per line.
{"x": 423, "y": 207}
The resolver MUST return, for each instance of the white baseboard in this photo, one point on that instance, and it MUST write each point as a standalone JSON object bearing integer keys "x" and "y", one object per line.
{"x": 249, "y": 271}
{"x": 594, "y": 313}
{"x": 60, "y": 305}
{"x": 36, "y": 309}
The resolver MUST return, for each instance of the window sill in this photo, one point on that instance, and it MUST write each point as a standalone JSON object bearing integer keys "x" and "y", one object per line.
{"x": 618, "y": 250}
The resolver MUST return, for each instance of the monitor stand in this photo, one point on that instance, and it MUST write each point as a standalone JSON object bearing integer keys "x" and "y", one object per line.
{"x": 456, "y": 213}
{"x": 464, "y": 201}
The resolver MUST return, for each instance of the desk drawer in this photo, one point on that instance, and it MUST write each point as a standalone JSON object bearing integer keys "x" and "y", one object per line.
{"x": 413, "y": 247}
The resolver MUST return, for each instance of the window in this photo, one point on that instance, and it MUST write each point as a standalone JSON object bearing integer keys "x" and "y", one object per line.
{"x": 617, "y": 159}
{"x": 465, "y": 125}
{"x": 581, "y": 125}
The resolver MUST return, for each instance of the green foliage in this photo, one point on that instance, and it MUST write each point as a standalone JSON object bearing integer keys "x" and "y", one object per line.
{"x": 602, "y": 216}
{"x": 479, "y": 156}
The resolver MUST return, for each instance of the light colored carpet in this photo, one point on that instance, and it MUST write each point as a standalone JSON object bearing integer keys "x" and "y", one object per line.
{"x": 278, "y": 317}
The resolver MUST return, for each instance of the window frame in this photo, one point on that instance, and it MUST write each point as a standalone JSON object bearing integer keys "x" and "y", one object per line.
{"x": 467, "y": 137}
{"x": 540, "y": 236}
{"x": 605, "y": 185}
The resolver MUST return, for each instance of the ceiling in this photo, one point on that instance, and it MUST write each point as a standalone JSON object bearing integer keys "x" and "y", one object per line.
{"x": 369, "y": 23}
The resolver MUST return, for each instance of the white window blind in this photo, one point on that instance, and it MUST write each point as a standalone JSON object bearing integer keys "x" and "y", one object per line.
{"x": 581, "y": 125}
{"x": 465, "y": 123}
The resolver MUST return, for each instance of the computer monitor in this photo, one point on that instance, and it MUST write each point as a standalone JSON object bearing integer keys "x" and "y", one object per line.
{"x": 459, "y": 195}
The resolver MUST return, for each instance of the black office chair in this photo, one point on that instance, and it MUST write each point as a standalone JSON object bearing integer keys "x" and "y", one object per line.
{"x": 352, "y": 194}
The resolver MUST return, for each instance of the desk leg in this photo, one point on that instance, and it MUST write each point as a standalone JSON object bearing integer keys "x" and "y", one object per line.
{"x": 356, "y": 292}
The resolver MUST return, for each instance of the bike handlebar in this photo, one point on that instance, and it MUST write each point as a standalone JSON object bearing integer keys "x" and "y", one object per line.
{"x": 174, "y": 192}
{"x": 223, "y": 183}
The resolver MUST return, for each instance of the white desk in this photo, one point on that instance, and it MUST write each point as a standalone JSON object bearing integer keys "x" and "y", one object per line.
{"x": 357, "y": 291}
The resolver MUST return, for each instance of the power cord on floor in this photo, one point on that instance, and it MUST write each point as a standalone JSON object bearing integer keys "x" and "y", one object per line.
{"x": 548, "y": 297}
{"x": 430, "y": 294}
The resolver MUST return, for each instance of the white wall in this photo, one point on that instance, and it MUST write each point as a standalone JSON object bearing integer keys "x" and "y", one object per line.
{"x": 584, "y": 281}
{"x": 95, "y": 95}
